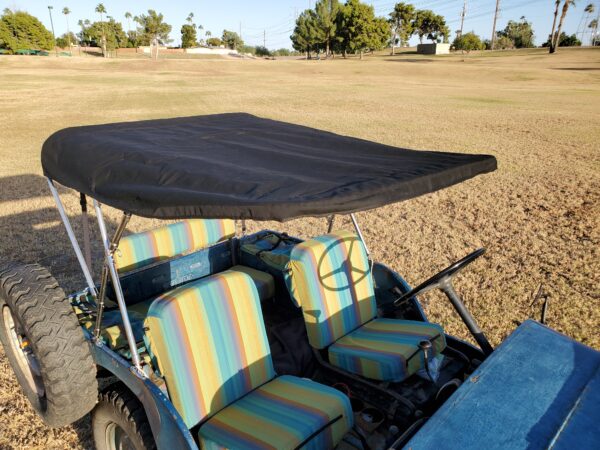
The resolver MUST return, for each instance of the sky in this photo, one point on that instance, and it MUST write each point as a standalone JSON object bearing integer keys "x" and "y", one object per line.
{"x": 272, "y": 21}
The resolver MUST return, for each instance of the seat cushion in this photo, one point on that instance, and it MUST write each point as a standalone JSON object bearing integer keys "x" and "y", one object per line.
{"x": 283, "y": 414}
{"x": 386, "y": 349}
{"x": 264, "y": 282}
{"x": 209, "y": 342}
{"x": 331, "y": 280}
{"x": 141, "y": 249}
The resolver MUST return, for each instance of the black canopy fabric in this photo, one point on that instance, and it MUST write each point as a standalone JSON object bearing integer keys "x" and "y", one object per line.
{"x": 243, "y": 167}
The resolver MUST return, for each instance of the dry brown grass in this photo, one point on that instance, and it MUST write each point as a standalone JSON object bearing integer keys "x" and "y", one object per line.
{"x": 538, "y": 215}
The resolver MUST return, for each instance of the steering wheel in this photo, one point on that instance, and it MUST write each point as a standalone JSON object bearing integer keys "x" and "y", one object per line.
{"x": 442, "y": 279}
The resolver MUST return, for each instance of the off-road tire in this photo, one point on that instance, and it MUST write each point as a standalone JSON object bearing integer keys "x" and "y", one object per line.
{"x": 118, "y": 406}
{"x": 46, "y": 319}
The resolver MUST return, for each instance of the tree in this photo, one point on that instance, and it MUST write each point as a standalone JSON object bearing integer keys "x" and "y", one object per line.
{"x": 110, "y": 34}
{"x": 402, "y": 21}
{"x": 503, "y": 43}
{"x": 326, "y": 12}
{"x": 594, "y": 27}
{"x": 66, "y": 11}
{"x": 231, "y": 40}
{"x": 564, "y": 41}
{"x": 553, "y": 32}
{"x": 188, "y": 33}
{"x": 430, "y": 25}
{"x": 306, "y": 37}
{"x": 152, "y": 27}
{"x": 100, "y": 9}
{"x": 585, "y": 16}
{"x": 468, "y": 42}
{"x": 20, "y": 30}
{"x": 359, "y": 29}
{"x": 65, "y": 40}
{"x": 128, "y": 16}
{"x": 565, "y": 9}
{"x": 261, "y": 51}
{"x": 521, "y": 33}
{"x": 214, "y": 42}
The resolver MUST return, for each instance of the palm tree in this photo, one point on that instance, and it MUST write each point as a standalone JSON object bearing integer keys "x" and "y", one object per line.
{"x": 594, "y": 26}
{"x": 565, "y": 9}
{"x": 100, "y": 9}
{"x": 66, "y": 11}
{"x": 552, "y": 34}
{"x": 128, "y": 17}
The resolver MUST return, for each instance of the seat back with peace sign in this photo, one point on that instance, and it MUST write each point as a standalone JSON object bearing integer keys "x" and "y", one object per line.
{"x": 331, "y": 281}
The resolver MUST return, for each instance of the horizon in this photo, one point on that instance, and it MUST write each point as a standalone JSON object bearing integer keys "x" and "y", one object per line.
{"x": 271, "y": 23}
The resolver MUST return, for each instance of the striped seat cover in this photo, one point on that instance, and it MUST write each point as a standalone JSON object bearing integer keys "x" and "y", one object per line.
{"x": 141, "y": 249}
{"x": 209, "y": 342}
{"x": 386, "y": 349}
{"x": 282, "y": 414}
{"x": 332, "y": 282}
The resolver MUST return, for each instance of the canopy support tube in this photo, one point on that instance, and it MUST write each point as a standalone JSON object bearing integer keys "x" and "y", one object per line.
{"x": 85, "y": 223}
{"x": 360, "y": 235}
{"x": 109, "y": 248}
{"x": 63, "y": 215}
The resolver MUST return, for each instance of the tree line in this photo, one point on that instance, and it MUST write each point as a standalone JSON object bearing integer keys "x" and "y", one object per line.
{"x": 20, "y": 30}
{"x": 352, "y": 28}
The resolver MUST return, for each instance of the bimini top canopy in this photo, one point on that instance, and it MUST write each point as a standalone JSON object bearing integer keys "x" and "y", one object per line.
{"x": 240, "y": 166}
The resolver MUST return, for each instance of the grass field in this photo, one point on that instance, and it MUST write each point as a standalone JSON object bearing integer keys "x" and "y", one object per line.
{"x": 538, "y": 215}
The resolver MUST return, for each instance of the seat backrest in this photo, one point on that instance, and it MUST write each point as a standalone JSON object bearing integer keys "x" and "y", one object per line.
{"x": 331, "y": 281}
{"x": 209, "y": 341}
{"x": 142, "y": 249}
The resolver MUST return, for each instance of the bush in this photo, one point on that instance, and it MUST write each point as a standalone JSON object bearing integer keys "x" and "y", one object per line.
{"x": 282, "y": 52}
{"x": 262, "y": 51}
{"x": 565, "y": 41}
{"x": 214, "y": 42}
{"x": 468, "y": 42}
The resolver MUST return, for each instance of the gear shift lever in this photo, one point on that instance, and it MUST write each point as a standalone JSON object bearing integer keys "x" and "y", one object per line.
{"x": 425, "y": 346}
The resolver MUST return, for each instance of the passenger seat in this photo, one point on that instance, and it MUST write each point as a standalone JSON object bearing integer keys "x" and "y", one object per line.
{"x": 210, "y": 344}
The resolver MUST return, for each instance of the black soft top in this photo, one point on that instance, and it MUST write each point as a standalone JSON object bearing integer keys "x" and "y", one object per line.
{"x": 240, "y": 166}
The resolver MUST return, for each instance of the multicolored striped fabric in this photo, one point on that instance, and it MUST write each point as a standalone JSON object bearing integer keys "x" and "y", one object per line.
{"x": 331, "y": 281}
{"x": 284, "y": 414}
{"x": 141, "y": 249}
{"x": 210, "y": 344}
{"x": 382, "y": 348}
{"x": 264, "y": 282}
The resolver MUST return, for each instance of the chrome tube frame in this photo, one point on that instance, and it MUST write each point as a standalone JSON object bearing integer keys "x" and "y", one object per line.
{"x": 360, "y": 235}
{"x": 110, "y": 263}
{"x": 80, "y": 258}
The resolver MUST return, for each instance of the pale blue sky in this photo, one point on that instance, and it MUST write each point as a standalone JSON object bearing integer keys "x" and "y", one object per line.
{"x": 277, "y": 17}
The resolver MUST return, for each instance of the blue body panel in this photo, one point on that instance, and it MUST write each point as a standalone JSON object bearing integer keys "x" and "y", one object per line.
{"x": 538, "y": 390}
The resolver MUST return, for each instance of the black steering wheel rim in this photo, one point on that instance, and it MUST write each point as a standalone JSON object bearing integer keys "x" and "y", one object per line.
{"x": 441, "y": 277}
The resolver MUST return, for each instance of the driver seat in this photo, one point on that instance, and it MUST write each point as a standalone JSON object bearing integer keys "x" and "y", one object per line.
{"x": 331, "y": 280}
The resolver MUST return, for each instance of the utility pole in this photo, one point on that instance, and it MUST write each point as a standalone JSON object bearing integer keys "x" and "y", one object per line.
{"x": 265, "y": 38}
{"x": 494, "y": 27}
{"x": 240, "y": 30}
{"x": 50, "y": 8}
{"x": 462, "y": 17}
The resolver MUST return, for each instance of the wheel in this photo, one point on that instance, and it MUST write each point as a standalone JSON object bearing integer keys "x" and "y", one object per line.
{"x": 45, "y": 345}
{"x": 119, "y": 421}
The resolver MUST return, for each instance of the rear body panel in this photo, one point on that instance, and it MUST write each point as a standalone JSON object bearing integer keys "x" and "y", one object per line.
{"x": 538, "y": 390}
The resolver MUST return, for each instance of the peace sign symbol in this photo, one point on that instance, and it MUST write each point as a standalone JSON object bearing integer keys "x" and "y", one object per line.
{"x": 345, "y": 266}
